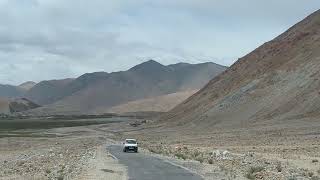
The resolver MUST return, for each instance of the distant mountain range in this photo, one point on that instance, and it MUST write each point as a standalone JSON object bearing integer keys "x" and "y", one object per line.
{"x": 9, "y": 91}
{"x": 101, "y": 91}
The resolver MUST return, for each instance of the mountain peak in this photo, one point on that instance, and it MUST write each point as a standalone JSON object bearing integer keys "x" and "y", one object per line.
{"x": 151, "y": 64}
{"x": 27, "y": 85}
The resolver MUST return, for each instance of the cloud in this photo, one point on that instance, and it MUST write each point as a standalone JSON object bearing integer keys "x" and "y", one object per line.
{"x": 51, "y": 39}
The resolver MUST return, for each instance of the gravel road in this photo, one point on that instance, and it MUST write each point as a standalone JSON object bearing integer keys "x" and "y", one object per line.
{"x": 145, "y": 167}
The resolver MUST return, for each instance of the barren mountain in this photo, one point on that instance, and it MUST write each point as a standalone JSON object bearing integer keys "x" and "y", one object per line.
{"x": 9, "y": 91}
{"x": 278, "y": 83}
{"x": 47, "y": 92}
{"x": 27, "y": 85}
{"x": 4, "y": 106}
{"x": 104, "y": 90}
{"x": 156, "y": 104}
{"x": 8, "y": 106}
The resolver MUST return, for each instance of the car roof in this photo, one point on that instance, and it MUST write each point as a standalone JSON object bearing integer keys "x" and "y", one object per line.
{"x": 131, "y": 140}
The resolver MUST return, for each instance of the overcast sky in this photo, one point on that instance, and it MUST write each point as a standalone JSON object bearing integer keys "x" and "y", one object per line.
{"x": 53, "y": 39}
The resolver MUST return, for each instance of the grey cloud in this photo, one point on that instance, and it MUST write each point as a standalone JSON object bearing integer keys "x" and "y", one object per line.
{"x": 59, "y": 38}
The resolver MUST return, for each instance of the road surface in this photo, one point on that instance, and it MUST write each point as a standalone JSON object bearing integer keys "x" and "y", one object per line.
{"x": 146, "y": 167}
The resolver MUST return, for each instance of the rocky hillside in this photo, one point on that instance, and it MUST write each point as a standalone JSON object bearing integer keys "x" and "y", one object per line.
{"x": 103, "y": 90}
{"x": 278, "y": 83}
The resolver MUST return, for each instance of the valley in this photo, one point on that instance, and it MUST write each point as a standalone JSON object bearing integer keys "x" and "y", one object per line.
{"x": 257, "y": 119}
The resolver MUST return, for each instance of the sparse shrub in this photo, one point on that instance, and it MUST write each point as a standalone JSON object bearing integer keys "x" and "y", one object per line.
{"x": 180, "y": 156}
{"x": 279, "y": 167}
{"x": 252, "y": 172}
{"x": 200, "y": 159}
{"x": 222, "y": 168}
{"x": 60, "y": 171}
{"x": 315, "y": 160}
{"x": 292, "y": 178}
{"x": 48, "y": 171}
{"x": 152, "y": 150}
{"x": 310, "y": 174}
{"x": 318, "y": 171}
{"x": 210, "y": 161}
{"x": 250, "y": 176}
{"x": 196, "y": 153}
{"x": 315, "y": 178}
{"x": 60, "y": 177}
{"x": 20, "y": 163}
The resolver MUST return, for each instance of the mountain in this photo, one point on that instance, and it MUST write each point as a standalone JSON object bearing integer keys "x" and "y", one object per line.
{"x": 8, "y": 106}
{"x": 47, "y": 92}
{"x": 103, "y": 90}
{"x": 27, "y": 85}
{"x": 4, "y": 106}
{"x": 276, "y": 84}
{"x": 9, "y": 91}
{"x": 155, "y": 104}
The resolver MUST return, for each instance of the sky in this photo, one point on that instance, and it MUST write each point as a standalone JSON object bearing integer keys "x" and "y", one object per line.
{"x": 55, "y": 39}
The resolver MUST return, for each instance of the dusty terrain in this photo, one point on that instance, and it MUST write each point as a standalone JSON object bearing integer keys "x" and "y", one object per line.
{"x": 61, "y": 153}
{"x": 284, "y": 152}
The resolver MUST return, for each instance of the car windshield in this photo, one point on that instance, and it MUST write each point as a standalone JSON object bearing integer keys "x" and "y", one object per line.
{"x": 131, "y": 142}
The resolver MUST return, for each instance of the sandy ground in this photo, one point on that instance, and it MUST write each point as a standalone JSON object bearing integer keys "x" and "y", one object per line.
{"x": 281, "y": 153}
{"x": 67, "y": 153}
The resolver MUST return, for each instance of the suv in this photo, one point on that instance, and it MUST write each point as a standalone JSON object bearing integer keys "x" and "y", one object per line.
{"x": 130, "y": 145}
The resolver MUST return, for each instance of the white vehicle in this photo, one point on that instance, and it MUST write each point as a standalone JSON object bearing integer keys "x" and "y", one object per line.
{"x": 130, "y": 145}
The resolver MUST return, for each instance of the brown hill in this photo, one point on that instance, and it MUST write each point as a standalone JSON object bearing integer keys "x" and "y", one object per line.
{"x": 278, "y": 83}
{"x": 156, "y": 104}
{"x": 8, "y": 106}
{"x": 104, "y": 90}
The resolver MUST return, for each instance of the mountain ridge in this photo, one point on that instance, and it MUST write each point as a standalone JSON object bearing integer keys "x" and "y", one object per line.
{"x": 104, "y": 90}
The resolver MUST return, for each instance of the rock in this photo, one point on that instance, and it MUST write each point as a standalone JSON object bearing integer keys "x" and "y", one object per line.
{"x": 225, "y": 155}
